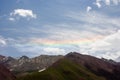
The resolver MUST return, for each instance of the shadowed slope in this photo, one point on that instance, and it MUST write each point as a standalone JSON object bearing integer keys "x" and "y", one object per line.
{"x": 5, "y": 74}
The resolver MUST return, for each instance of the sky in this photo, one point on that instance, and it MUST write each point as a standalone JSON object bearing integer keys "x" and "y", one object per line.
{"x": 57, "y": 27}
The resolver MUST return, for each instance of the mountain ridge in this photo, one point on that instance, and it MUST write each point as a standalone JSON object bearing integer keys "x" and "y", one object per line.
{"x": 24, "y": 63}
{"x": 75, "y": 66}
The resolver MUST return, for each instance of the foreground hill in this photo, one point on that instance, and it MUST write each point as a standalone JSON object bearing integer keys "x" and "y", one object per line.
{"x": 5, "y": 74}
{"x": 75, "y": 66}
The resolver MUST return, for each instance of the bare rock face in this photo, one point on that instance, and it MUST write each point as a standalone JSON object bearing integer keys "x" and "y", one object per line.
{"x": 5, "y": 74}
{"x": 25, "y": 63}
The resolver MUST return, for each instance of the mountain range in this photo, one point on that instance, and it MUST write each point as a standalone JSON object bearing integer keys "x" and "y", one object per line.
{"x": 24, "y": 63}
{"x": 75, "y": 66}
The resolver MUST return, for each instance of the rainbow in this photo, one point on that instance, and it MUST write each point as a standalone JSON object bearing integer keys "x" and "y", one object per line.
{"x": 50, "y": 42}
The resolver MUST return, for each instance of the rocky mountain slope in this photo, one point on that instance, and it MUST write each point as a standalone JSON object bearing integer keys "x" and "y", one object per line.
{"x": 25, "y": 63}
{"x": 75, "y": 66}
{"x": 5, "y": 74}
{"x": 100, "y": 67}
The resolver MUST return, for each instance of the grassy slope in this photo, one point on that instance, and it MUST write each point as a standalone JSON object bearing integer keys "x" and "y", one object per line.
{"x": 63, "y": 70}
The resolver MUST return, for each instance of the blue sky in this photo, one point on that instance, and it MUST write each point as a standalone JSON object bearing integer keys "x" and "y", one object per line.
{"x": 54, "y": 27}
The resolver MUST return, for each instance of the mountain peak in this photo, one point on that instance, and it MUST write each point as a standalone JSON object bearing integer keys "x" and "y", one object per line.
{"x": 24, "y": 57}
{"x": 74, "y": 54}
{"x": 79, "y": 56}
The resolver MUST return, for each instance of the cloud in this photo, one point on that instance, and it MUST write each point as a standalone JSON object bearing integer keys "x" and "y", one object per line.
{"x": 95, "y": 19}
{"x": 115, "y": 2}
{"x": 22, "y": 13}
{"x": 2, "y": 41}
{"x": 98, "y": 3}
{"x": 89, "y": 8}
{"x": 108, "y": 47}
{"x": 36, "y": 49}
{"x": 108, "y": 2}
{"x": 11, "y": 19}
{"x": 73, "y": 36}
{"x": 65, "y": 36}
{"x": 55, "y": 51}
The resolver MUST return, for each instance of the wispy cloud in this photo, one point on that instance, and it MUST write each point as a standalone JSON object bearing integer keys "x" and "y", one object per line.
{"x": 95, "y": 19}
{"x": 98, "y": 26}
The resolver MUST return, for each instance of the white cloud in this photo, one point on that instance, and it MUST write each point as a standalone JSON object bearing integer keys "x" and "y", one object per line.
{"x": 2, "y": 41}
{"x": 115, "y": 2}
{"x": 22, "y": 13}
{"x": 54, "y": 51}
{"x": 107, "y": 47}
{"x": 107, "y": 2}
{"x": 11, "y": 19}
{"x": 98, "y": 3}
{"x": 89, "y": 8}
